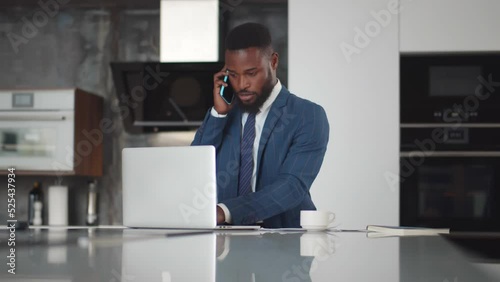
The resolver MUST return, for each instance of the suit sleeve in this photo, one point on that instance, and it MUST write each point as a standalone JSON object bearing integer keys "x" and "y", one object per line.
{"x": 211, "y": 131}
{"x": 300, "y": 168}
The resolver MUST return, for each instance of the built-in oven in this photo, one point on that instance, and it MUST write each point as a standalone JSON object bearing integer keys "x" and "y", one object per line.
{"x": 450, "y": 88}
{"x": 450, "y": 176}
{"x": 36, "y": 131}
{"x": 450, "y": 140}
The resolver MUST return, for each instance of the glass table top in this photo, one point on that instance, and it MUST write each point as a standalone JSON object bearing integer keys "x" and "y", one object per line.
{"x": 98, "y": 254}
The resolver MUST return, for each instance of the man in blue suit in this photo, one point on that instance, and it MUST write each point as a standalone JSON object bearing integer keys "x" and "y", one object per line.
{"x": 270, "y": 143}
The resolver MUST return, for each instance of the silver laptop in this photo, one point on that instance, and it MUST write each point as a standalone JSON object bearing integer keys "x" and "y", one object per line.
{"x": 170, "y": 187}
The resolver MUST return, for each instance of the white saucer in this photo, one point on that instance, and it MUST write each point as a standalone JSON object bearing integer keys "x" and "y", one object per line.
{"x": 315, "y": 227}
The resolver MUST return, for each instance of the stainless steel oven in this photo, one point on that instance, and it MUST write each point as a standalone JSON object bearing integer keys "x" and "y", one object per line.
{"x": 450, "y": 140}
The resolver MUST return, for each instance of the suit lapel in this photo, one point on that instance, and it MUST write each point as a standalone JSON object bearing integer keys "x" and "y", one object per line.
{"x": 272, "y": 119}
{"x": 234, "y": 135}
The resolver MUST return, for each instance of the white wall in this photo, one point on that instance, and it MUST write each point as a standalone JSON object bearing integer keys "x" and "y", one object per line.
{"x": 361, "y": 98}
{"x": 450, "y": 25}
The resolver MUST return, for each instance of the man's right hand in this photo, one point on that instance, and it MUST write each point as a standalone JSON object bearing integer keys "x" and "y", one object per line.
{"x": 220, "y": 106}
{"x": 221, "y": 218}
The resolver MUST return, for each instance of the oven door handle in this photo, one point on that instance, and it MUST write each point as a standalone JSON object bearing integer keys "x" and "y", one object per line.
{"x": 36, "y": 117}
{"x": 437, "y": 154}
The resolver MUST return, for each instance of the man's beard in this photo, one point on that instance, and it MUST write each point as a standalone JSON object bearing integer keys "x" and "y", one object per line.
{"x": 259, "y": 101}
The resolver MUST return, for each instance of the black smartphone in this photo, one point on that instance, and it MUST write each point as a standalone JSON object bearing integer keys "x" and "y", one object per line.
{"x": 227, "y": 93}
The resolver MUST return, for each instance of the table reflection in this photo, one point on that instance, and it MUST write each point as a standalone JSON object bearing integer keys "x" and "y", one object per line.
{"x": 231, "y": 256}
{"x": 166, "y": 259}
{"x": 271, "y": 256}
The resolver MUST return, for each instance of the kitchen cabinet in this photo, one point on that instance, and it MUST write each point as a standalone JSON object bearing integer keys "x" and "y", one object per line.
{"x": 449, "y": 26}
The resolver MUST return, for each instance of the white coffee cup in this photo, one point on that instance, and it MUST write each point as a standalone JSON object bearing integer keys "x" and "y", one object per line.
{"x": 316, "y": 220}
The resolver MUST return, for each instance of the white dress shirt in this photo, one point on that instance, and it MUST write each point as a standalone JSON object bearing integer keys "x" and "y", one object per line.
{"x": 260, "y": 119}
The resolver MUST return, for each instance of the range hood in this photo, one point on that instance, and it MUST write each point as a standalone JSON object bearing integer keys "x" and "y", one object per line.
{"x": 156, "y": 97}
{"x": 176, "y": 93}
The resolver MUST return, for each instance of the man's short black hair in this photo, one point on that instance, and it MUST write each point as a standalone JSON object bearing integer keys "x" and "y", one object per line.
{"x": 248, "y": 35}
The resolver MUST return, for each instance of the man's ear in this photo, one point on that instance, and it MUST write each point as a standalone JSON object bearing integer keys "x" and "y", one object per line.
{"x": 274, "y": 60}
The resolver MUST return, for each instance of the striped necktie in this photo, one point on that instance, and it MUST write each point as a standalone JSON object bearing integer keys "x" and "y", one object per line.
{"x": 246, "y": 156}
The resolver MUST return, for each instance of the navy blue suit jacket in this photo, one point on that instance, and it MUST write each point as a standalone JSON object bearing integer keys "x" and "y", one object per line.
{"x": 291, "y": 150}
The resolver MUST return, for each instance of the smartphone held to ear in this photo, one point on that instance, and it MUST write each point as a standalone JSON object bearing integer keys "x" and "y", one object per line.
{"x": 227, "y": 93}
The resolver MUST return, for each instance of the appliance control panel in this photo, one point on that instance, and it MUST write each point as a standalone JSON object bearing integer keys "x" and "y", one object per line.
{"x": 455, "y": 115}
{"x": 458, "y": 135}
{"x": 37, "y": 100}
